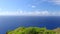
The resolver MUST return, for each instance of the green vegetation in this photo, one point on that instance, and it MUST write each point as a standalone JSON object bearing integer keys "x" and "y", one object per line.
{"x": 31, "y": 30}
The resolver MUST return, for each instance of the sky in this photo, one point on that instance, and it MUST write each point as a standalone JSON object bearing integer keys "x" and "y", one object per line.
{"x": 30, "y": 5}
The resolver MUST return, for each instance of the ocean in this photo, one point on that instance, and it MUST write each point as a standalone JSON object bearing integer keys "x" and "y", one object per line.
{"x": 13, "y": 22}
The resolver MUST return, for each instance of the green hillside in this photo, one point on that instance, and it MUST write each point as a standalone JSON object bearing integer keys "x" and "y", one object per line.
{"x": 31, "y": 30}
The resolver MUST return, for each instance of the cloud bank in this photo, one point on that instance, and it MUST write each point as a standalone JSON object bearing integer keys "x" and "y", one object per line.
{"x": 31, "y": 13}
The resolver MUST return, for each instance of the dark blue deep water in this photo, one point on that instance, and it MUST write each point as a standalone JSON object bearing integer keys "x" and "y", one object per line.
{"x": 12, "y": 22}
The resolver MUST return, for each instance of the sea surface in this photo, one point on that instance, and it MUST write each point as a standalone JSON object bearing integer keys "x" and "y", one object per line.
{"x": 13, "y": 22}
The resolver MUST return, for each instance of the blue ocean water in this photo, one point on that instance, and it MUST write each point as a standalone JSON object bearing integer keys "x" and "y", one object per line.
{"x": 12, "y": 22}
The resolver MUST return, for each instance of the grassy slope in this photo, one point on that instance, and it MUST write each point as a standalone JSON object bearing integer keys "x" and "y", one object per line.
{"x": 31, "y": 30}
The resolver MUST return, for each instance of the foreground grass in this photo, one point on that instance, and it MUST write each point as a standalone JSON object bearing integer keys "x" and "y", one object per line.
{"x": 32, "y": 30}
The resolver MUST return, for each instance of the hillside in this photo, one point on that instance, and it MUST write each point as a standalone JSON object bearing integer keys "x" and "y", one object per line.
{"x": 32, "y": 30}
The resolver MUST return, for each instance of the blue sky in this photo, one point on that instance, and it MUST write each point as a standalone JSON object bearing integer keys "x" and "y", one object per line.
{"x": 30, "y": 5}
{"x": 43, "y": 6}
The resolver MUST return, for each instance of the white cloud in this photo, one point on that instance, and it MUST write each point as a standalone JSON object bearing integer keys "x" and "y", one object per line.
{"x": 33, "y": 6}
{"x": 25, "y": 13}
{"x": 54, "y": 1}
{"x": 57, "y": 2}
{"x": 37, "y": 2}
